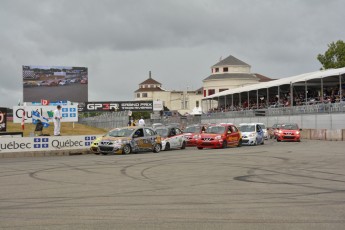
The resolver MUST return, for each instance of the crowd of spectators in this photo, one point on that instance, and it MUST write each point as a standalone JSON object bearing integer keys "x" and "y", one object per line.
{"x": 311, "y": 97}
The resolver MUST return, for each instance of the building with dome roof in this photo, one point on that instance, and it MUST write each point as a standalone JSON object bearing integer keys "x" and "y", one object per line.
{"x": 226, "y": 74}
{"x": 230, "y": 73}
{"x": 182, "y": 101}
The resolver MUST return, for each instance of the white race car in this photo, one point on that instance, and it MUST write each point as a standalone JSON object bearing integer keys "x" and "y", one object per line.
{"x": 172, "y": 138}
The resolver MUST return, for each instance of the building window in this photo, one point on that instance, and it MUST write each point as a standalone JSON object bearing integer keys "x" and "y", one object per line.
{"x": 225, "y": 69}
{"x": 152, "y": 86}
{"x": 197, "y": 104}
{"x": 138, "y": 94}
{"x": 221, "y": 90}
{"x": 204, "y": 92}
{"x": 144, "y": 94}
{"x": 211, "y": 92}
{"x": 217, "y": 70}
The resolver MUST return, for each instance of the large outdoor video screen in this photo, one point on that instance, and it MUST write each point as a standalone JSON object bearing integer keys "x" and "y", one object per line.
{"x": 55, "y": 83}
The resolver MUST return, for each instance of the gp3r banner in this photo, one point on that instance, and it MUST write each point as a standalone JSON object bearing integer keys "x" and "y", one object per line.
{"x": 69, "y": 113}
{"x": 3, "y": 119}
{"x": 114, "y": 106}
{"x": 45, "y": 143}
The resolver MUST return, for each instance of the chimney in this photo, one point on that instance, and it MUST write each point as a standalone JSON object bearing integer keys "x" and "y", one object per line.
{"x": 150, "y": 74}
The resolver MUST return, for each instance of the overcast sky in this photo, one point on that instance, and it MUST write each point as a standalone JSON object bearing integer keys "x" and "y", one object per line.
{"x": 178, "y": 40}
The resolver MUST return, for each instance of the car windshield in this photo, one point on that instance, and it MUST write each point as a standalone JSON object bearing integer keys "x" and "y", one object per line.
{"x": 192, "y": 129}
{"x": 120, "y": 132}
{"x": 215, "y": 129}
{"x": 290, "y": 126}
{"x": 247, "y": 128}
{"x": 162, "y": 132}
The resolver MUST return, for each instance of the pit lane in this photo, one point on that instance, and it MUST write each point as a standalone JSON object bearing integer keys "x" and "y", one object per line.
{"x": 272, "y": 186}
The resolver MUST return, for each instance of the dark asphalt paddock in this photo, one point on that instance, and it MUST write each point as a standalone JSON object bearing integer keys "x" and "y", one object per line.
{"x": 274, "y": 186}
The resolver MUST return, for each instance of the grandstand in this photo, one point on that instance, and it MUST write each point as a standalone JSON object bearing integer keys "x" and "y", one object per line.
{"x": 320, "y": 92}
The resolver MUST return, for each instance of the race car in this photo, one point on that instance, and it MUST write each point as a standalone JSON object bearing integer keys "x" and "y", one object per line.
{"x": 289, "y": 132}
{"x": 252, "y": 134}
{"x": 128, "y": 140}
{"x": 192, "y": 132}
{"x": 219, "y": 136}
{"x": 172, "y": 138}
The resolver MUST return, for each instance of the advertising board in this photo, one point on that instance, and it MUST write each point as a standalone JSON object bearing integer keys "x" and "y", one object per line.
{"x": 69, "y": 113}
{"x": 46, "y": 143}
{"x": 55, "y": 83}
{"x": 106, "y": 106}
{"x": 3, "y": 119}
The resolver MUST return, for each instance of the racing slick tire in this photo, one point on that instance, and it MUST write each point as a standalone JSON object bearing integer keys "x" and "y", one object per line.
{"x": 200, "y": 148}
{"x": 157, "y": 148}
{"x": 224, "y": 145}
{"x": 167, "y": 146}
{"x": 263, "y": 142}
{"x": 127, "y": 149}
{"x": 278, "y": 140}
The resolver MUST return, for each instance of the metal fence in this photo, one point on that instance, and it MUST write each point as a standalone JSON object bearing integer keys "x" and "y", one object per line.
{"x": 318, "y": 116}
{"x": 182, "y": 121}
{"x": 281, "y": 111}
{"x": 107, "y": 120}
{"x": 112, "y": 120}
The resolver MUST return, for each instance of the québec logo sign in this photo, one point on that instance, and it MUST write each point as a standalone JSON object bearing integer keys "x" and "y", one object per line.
{"x": 45, "y": 143}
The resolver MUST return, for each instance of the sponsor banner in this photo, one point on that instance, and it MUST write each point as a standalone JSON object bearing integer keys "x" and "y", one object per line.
{"x": 98, "y": 106}
{"x": 3, "y": 119}
{"x": 45, "y": 143}
{"x": 46, "y": 102}
{"x": 157, "y": 105}
{"x": 69, "y": 113}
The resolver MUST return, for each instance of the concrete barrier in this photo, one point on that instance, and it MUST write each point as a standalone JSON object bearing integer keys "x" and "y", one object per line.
{"x": 318, "y": 134}
{"x": 334, "y": 135}
{"x": 305, "y": 134}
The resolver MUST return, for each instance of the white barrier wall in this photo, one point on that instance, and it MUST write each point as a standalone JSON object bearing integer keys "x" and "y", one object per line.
{"x": 45, "y": 143}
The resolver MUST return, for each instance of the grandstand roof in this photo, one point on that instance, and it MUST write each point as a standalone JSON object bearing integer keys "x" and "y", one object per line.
{"x": 283, "y": 81}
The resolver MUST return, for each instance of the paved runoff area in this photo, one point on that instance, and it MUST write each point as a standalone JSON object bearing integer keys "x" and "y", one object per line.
{"x": 273, "y": 186}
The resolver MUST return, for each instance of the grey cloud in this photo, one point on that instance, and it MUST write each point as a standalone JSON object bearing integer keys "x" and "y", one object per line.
{"x": 178, "y": 40}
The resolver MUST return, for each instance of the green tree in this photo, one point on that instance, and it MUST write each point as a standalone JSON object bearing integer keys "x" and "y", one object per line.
{"x": 334, "y": 57}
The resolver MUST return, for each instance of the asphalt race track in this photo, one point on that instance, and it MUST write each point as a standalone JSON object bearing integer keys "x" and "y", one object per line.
{"x": 274, "y": 186}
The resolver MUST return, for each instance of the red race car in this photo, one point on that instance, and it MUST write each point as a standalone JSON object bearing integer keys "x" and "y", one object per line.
{"x": 288, "y": 132}
{"x": 192, "y": 133}
{"x": 219, "y": 136}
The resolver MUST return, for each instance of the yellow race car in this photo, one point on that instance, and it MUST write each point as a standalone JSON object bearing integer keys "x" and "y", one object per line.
{"x": 128, "y": 140}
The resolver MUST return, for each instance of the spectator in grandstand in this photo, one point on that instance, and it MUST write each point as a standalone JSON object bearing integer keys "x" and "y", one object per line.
{"x": 141, "y": 122}
{"x": 57, "y": 120}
